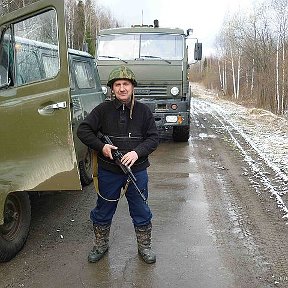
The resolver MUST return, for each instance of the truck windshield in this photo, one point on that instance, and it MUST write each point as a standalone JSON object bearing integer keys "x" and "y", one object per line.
{"x": 141, "y": 46}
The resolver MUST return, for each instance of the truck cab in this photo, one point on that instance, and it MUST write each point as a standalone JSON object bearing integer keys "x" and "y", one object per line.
{"x": 159, "y": 58}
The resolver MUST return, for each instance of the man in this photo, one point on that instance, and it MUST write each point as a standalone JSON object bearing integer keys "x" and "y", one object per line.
{"x": 131, "y": 127}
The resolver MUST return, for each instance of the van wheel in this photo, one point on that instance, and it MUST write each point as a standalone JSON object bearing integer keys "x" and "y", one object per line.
{"x": 14, "y": 231}
{"x": 181, "y": 133}
{"x": 86, "y": 168}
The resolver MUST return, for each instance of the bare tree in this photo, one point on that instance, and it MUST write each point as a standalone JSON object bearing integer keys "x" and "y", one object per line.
{"x": 10, "y": 5}
{"x": 253, "y": 47}
{"x": 84, "y": 19}
{"x": 281, "y": 22}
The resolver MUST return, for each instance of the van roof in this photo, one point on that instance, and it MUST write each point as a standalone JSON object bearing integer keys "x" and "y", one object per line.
{"x": 80, "y": 53}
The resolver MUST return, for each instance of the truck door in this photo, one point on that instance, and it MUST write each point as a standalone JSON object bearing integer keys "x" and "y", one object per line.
{"x": 36, "y": 143}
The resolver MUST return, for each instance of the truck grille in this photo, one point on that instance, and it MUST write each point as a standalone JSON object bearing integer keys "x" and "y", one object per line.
{"x": 150, "y": 91}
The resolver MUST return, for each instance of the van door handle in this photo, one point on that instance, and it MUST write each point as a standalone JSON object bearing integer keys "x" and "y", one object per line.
{"x": 49, "y": 109}
{"x": 59, "y": 105}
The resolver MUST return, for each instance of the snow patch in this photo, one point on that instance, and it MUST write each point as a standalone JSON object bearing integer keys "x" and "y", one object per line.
{"x": 266, "y": 132}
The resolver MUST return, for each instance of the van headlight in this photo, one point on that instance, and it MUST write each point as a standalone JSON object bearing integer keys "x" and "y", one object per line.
{"x": 174, "y": 91}
{"x": 104, "y": 89}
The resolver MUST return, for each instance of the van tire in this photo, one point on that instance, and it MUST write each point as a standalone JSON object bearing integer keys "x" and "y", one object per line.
{"x": 181, "y": 133}
{"x": 86, "y": 168}
{"x": 15, "y": 230}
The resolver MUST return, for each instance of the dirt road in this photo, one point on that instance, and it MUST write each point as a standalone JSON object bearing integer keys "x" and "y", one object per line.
{"x": 213, "y": 224}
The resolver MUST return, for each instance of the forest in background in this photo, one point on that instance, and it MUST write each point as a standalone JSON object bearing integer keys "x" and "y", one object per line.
{"x": 249, "y": 66}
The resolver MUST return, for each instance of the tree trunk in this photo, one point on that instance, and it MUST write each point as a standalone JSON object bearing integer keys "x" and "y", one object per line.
{"x": 277, "y": 77}
{"x": 238, "y": 77}
{"x": 220, "y": 75}
{"x": 252, "y": 78}
{"x": 233, "y": 73}
{"x": 283, "y": 78}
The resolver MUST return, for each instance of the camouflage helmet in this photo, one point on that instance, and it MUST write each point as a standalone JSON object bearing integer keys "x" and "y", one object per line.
{"x": 121, "y": 72}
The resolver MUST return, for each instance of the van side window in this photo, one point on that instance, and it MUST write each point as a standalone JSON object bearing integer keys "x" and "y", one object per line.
{"x": 36, "y": 48}
{"x": 71, "y": 80}
{"x": 84, "y": 74}
{"x": 51, "y": 64}
{"x": 28, "y": 65}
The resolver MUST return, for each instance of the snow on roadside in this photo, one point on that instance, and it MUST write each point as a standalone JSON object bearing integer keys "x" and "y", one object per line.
{"x": 266, "y": 132}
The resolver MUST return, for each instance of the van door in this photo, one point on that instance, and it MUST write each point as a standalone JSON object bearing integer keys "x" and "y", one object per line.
{"x": 36, "y": 143}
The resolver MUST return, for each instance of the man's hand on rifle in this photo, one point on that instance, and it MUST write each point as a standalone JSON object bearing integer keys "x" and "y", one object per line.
{"x": 107, "y": 150}
{"x": 129, "y": 158}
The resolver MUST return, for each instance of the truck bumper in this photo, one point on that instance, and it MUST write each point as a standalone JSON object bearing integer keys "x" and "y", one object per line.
{"x": 167, "y": 120}
{"x": 164, "y": 114}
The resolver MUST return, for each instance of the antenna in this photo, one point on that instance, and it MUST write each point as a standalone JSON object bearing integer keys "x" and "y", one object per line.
{"x": 142, "y": 17}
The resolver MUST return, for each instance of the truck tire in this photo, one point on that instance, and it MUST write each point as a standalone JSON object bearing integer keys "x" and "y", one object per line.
{"x": 14, "y": 231}
{"x": 86, "y": 168}
{"x": 181, "y": 133}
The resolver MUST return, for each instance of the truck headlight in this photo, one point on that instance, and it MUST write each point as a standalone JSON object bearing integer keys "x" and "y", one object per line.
{"x": 174, "y": 106}
{"x": 174, "y": 91}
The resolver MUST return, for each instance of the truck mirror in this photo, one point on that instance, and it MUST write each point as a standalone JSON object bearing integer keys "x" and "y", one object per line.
{"x": 198, "y": 51}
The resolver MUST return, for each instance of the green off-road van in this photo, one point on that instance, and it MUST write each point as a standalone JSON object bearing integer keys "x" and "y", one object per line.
{"x": 46, "y": 90}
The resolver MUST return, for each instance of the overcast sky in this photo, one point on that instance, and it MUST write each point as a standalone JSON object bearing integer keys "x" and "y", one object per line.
{"x": 203, "y": 16}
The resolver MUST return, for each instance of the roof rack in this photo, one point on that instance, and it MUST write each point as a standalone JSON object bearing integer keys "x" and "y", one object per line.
{"x": 156, "y": 24}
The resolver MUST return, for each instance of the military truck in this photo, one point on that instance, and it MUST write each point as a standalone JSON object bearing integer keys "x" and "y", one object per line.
{"x": 159, "y": 58}
{"x": 46, "y": 90}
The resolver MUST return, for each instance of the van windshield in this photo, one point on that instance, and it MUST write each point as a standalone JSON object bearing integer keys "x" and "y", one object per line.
{"x": 141, "y": 46}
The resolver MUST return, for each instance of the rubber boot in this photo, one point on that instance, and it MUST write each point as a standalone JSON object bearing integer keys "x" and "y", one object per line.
{"x": 101, "y": 242}
{"x": 143, "y": 235}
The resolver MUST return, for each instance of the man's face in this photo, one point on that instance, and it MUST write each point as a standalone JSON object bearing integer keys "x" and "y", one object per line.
{"x": 123, "y": 90}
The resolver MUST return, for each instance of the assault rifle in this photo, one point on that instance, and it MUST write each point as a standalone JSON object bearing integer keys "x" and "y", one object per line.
{"x": 117, "y": 156}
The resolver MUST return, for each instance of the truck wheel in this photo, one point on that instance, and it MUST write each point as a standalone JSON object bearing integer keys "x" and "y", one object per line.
{"x": 14, "y": 231}
{"x": 85, "y": 169}
{"x": 181, "y": 133}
